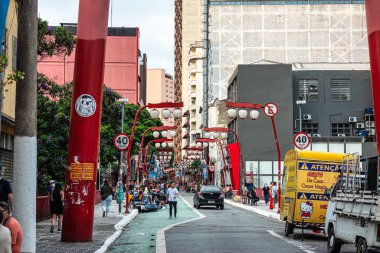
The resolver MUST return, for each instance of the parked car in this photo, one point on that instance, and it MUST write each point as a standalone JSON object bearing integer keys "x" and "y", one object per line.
{"x": 209, "y": 195}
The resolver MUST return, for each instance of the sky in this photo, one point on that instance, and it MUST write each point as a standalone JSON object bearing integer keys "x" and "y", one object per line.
{"x": 155, "y": 18}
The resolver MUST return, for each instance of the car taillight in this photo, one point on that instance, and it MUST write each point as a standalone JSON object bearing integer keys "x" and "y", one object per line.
{"x": 200, "y": 195}
{"x": 378, "y": 233}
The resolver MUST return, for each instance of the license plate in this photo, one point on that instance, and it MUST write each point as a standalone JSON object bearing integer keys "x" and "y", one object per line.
{"x": 142, "y": 207}
{"x": 211, "y": 202}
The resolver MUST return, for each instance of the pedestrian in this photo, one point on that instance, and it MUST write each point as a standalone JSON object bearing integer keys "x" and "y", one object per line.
{"x": 14, "y": 227}
{"x": 172, "y": 199}
{"x": 50, "y": 196}
{"x": 119, "y": 194}
{"x": 274, "y": 192}
{"x": 107, "y": 195}
{"x": 56, "y": 208}
{"x": 5, "y": 237}
{"x": 250, "y": 185}
{"x": 266, "y": 193}
{"x": 245, "y": 192}
{"x": 253, "y": 197}
{"x": 5, "y": 191}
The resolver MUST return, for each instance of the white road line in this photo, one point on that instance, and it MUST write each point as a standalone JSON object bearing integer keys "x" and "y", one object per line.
{"x": 160, "y": 238}
{"x": 119, "y": 229}
{"x": 300, "y": 245}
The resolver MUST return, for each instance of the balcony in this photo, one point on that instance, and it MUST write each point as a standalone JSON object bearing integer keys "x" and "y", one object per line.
{"x": 193, "y": 71}
{"x": 193, "y": 108}
{"x": 193, "y": 95}
{"x": 193, "y": 83}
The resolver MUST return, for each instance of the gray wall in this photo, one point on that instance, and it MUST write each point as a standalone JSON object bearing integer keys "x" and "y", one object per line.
{"x": 326, "y": 111}
{"x": 263, "y": 84}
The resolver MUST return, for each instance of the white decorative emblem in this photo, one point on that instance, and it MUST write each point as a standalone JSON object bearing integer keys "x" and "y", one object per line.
{"x": 85, "y": 105}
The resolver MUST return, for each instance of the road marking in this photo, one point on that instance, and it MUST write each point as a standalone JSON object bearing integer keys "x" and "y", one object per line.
{"x": 300, "y": 245}
{"x": 160, "y": 239}
{"x": 119, "y": 229}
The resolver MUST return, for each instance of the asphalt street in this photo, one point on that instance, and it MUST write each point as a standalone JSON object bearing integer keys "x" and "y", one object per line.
{"x": 238, "y": 230}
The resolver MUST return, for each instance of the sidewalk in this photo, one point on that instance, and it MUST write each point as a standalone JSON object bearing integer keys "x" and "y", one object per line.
{"x": 104, "y": 228}
{"x": 260, "y": 209}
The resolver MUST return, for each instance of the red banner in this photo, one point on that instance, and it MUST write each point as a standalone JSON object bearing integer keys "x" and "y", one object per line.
{"x": 234, "y": 151}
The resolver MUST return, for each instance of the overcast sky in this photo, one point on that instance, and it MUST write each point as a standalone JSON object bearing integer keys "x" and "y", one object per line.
{"x": 155, "y": 18}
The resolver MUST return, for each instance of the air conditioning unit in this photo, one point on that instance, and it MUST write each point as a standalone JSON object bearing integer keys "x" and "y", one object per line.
{"x": 306, "y": 117}
{"x": 341, "y": 135}
{"x": 369, "y": 124}
{"x": 371, "y": 132}
{"x": 360, "y": 125}
{"x": 316, "y": 135}
{"x": 352, "y": 119}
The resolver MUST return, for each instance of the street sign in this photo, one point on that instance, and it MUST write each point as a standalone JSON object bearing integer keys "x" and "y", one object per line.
{"x": 270, "y": 109}
{"x": 211, "y": 168}
{"x": 301, "y": 140}
{"x": 121, "y": 141}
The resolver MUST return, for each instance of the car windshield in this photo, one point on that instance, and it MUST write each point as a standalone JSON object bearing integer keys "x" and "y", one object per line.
{"x": 208, "y": 188}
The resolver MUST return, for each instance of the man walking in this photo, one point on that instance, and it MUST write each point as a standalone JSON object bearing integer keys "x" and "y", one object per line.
{"x": 172, "y": 200}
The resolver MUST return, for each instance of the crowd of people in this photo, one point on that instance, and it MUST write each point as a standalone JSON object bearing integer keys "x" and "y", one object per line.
{"x": 11, "y": 233}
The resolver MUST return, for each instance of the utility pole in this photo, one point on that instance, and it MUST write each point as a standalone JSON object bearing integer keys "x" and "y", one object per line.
{"x": 25, "y": 142}
{"x": 86, "y": 112}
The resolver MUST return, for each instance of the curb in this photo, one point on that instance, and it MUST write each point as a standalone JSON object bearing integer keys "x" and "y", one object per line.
{"x": 119, "y": 229}
{"x": 271, "y": 215}
{"x": 160, "y": 238}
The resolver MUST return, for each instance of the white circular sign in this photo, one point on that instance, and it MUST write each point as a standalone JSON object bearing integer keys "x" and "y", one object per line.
{"x": 301, "y": 140}
{"x": 85, "y": 105}
{"x": 121, "y": 141}
{"x": 270, "y": 109}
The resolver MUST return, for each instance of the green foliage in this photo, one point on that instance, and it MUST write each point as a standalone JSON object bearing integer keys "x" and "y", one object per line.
{"x": 53, "y": 119}
{"x": 54, "y": 40}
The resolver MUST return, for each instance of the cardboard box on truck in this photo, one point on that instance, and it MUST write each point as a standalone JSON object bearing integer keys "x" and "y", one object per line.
{"x": 307, "y": 174}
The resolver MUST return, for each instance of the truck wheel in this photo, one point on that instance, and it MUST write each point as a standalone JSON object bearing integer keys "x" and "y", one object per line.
{"x": 361, "y": 245}
{"x": 333, "y": 244}
{"x": 289, "y": 227}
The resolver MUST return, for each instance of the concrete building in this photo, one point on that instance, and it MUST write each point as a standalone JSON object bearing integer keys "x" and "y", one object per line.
{"x": 337, "y": 114}
{"x": 160, "y": 88}
{"x": 286, "y": 31}
{"x": 8, "y": 105}
{"x": 122, "y": 67}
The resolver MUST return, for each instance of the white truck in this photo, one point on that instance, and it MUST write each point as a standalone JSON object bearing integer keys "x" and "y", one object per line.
{"x": 353, "y": 212}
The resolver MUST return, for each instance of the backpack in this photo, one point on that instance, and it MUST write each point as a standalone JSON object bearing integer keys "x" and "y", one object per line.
{"x": 119, "y": 194}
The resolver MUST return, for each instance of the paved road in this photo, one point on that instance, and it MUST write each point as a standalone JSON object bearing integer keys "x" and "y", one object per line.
{"x": 237, "y": 230}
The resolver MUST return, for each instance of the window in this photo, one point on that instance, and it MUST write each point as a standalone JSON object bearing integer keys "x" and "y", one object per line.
{"x": 340, "y": 129}
{"x": 4, "y": 43}
{"x": 308, "y": 89}
{"x": 14, "y": 53}
{"x": 340, "y": 90}
{"x": 310, "y": 128}
{"x": 6, "y": 141}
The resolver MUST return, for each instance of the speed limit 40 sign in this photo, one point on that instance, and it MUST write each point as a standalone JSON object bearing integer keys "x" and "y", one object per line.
{"x": 301, "y": 140}
{"x": 121, "y": 141}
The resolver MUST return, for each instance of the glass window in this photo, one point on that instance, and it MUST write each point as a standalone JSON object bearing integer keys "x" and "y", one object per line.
{"x": 14, "y": 53}
{"x": 340, "y": 90}
{"x": 265, "y": 167}
{"x": 310, "y": 128}
{"x": 252, "y": 166}
{"x": 341, "y": 129}
{"x": 308, "y": 89}
{"x": 265, "y": 179}
{"x": 354, "y": 148}
{"x": 336, "y": 147}
{"x": 275, "y": 169}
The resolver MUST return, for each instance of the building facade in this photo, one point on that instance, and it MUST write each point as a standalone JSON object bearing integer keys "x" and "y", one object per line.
{"x": 160, "y": 88}
{"x": 122, "y": 65}
{"x": 8, "y": 105}
{"x": 337, "y": 114}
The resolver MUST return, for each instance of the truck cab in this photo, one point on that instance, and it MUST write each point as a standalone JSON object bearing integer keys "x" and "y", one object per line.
{"x": 353, "y": 213}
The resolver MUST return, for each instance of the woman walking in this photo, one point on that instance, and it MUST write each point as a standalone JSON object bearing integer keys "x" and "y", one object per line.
{"x": 57, "y": 198}
{"x": 107, "y": 195}
{"x": 266, "y": 193}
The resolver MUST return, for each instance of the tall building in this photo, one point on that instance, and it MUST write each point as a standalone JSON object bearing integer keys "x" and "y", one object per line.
{"x": 8, "y": 105}
{"x": 160, "y": 88}
{"x": 122, "y": 67}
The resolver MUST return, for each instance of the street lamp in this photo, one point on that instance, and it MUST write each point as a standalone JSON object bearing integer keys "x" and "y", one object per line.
{"x": 270, "y": 112}
{"x": 154, "y": 107}
{"x": 299, "y": 103}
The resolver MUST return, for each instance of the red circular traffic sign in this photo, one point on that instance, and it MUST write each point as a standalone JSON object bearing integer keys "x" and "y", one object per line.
{"x": 121, "y": 141}
{"x": 270, "y": 109}
{"x": 301, "y": 140}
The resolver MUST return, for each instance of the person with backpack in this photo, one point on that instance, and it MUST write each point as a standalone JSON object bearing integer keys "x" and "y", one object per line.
{"x": 119, "y": 194}
{"x": 107, "y": 194}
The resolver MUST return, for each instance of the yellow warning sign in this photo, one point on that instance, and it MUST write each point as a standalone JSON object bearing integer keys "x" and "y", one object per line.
{"x": 304, "y": 166}
{"x": 303, "y": 196}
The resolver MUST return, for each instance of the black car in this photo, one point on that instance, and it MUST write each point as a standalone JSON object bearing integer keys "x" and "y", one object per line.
{"x": 209, "y": 195}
